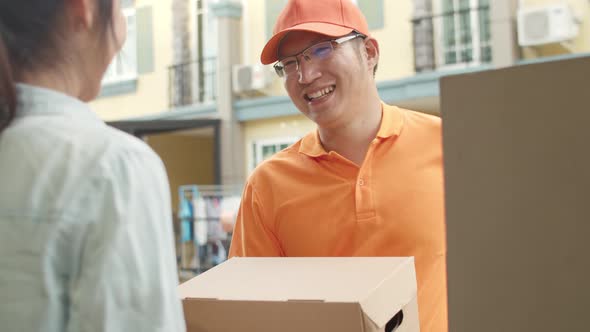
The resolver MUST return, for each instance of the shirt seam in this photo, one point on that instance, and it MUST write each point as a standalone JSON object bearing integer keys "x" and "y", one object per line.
{"x": 264, "y": 219}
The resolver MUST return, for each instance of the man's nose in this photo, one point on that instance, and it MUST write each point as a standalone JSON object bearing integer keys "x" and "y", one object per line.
{"x": 308, "y": 71}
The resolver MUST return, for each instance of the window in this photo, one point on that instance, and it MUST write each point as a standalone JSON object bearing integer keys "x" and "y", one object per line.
{"x": 423, "y": 39}
{"x": 205, "y": 50}
{"x": 124, "y": 65}
{"x": 264, "y": 149}
{"x": 374, "y": 12}
{"x": 464, "y": 30}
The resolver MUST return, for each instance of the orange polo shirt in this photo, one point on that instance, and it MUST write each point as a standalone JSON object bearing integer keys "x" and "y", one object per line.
{"x": 305, "y": 201}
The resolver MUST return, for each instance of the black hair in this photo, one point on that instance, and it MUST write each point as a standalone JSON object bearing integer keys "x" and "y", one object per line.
{"x": 29, "y": 39}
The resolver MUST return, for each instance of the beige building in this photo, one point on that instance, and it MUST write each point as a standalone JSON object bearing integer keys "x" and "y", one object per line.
{"x": 189, "y": 80}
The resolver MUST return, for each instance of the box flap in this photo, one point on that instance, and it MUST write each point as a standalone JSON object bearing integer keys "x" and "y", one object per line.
{"x": 263, "y": 316}
{"x": 394, "y": 292}
{"x": 333, "y": 279}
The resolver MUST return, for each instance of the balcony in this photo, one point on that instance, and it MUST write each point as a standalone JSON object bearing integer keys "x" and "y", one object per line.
{"x": 453, "y": 39}
{"x": 192, "y": 82}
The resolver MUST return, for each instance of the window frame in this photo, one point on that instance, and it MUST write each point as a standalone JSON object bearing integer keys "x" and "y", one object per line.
{"x": 476, "y": 44}
{"x": 210, "y": 50}
{"x": 258, "y": 146}
{"x": 130, "y": 44}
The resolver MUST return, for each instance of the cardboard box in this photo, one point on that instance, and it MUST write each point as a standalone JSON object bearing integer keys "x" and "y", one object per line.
{"x": 344, "y": 294}
{"x": 517, "y": 177}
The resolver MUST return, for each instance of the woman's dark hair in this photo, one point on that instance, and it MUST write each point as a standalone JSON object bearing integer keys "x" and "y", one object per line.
{"x": 29, "y": 35}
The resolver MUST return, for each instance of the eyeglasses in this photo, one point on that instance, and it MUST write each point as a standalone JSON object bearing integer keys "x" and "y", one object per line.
{"x": 316, "y": 52}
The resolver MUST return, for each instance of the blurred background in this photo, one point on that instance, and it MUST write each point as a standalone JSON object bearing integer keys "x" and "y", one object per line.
{"x": 189, "y": 82}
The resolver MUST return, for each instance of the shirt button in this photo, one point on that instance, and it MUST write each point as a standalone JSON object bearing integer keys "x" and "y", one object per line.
{"x": 361, "y": 182}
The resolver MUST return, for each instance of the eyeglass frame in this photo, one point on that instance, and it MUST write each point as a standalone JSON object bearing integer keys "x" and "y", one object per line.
{"x": 280, "y": 71}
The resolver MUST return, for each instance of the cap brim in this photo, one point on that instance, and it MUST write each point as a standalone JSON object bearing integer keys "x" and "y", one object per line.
{"x": 270, "y": 51}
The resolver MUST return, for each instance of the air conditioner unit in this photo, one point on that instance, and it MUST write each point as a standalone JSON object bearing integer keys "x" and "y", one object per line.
{"x": 248, "y": 78}
{"x": 546, "y": 24}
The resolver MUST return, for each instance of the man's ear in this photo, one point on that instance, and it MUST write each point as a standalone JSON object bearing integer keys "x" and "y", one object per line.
{"x": 372, "y": 52}
{"x": 81, "y": 12}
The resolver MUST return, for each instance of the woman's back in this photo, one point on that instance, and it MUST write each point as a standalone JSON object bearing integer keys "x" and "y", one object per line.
{"x": 85, "y": 224}
{"x": 85, "y": 220}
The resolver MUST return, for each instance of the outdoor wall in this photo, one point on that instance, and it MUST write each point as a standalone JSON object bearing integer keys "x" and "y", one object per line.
{"x": 290, "y": 126}
{"x": 581, "y": 44}
{"x": 151, "y": 95}
{"x": 188, "y": 160}
{"x": 254, "y": 37}
{"x": 254, "y": 33}
{"x": 396, "y": 41}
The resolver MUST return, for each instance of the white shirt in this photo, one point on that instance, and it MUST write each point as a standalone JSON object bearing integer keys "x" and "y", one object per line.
{"x": 86, "y": 239}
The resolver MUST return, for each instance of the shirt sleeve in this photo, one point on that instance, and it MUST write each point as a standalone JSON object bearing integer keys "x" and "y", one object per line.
{"x": 128, "y": 278}
{"x": 252, "y": 236}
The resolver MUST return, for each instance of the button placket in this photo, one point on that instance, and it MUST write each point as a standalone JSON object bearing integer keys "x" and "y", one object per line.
{"x": 365, "y": 207}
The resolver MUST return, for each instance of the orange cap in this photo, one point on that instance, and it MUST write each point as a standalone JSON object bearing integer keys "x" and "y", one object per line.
{"x": 332, "y": 18}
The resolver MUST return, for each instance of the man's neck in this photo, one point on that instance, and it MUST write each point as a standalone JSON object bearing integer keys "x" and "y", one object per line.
{"x": 353, "y": 139}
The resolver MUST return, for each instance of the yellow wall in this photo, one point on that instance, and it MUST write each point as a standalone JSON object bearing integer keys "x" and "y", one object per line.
{"x": 395, "y": 40}
{"x": 254, "y": 22}
{"x": 289, "y": 126}
{"x": 579, "y": 45}
{"x": 188, "y": 159}
{"x": 152, "y": 88}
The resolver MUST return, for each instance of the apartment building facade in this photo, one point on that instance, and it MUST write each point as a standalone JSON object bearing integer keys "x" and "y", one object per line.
{"x": 190, "y": 83}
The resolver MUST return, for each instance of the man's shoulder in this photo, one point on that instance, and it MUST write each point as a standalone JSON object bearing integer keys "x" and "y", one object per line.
{"x": 421, "y": 117}
{"x": 416, "y": 120}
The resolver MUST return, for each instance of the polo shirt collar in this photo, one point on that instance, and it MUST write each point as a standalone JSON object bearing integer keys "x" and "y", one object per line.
{"x": 391, "y": 125}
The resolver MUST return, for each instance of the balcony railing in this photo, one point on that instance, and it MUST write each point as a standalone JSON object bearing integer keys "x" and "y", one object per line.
{"x": 192, "y": 82}
{"x": 452, "y": 38}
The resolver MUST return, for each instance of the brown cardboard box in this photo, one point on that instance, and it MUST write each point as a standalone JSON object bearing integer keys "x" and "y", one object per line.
{"x": 344, "y": 294}
{"x": 517, "y": 177}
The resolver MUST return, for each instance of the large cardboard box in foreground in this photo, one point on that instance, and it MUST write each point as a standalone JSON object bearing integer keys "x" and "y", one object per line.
{"x": 344, "y": 294}
{"x": 517, "y": 177}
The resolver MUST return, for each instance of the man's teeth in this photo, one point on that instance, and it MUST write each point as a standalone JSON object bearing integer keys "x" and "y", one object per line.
{"x": 320, "y": 93}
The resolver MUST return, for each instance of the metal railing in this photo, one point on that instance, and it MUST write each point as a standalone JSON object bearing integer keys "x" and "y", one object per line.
{"x": 192, "y": 82}
{"x": 450, "y": 38}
